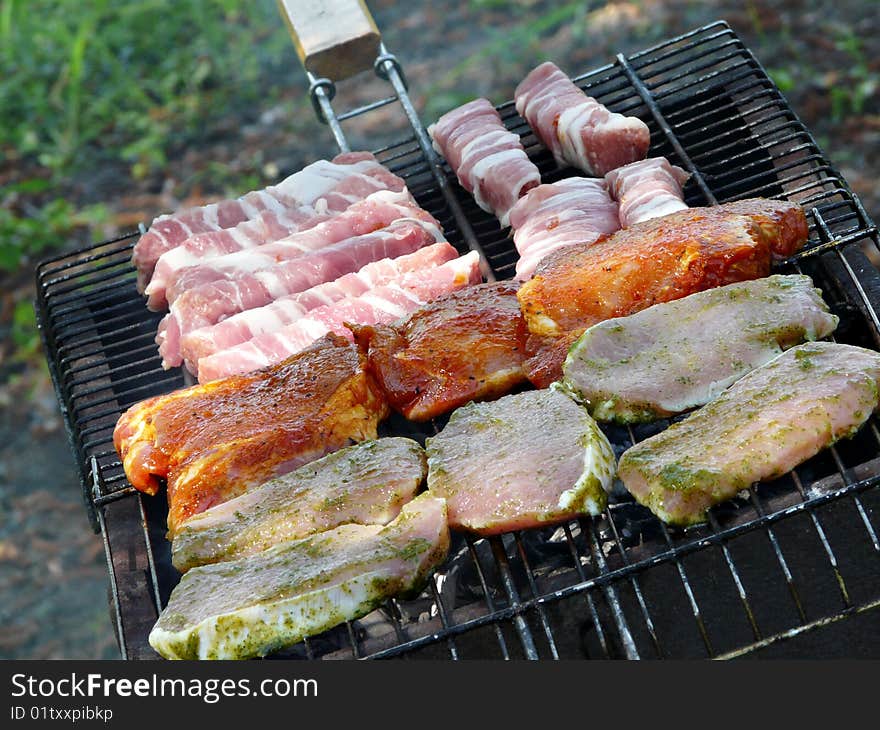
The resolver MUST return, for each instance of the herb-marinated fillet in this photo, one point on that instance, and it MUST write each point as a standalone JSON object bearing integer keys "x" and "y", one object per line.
{"x": 248, "y": 607}
{"x": 525, "y": 460}
{"x": 366, "y": 484}
{"x": 764, "y": 425}
{"x": 681, "y": 354}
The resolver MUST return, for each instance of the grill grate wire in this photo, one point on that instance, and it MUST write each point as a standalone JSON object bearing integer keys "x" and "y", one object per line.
{"x": 711, "y": 109}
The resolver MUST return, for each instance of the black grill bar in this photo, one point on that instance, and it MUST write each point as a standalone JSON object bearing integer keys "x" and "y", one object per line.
{"x": 634, "y": 582}
{"x": 629, "y": 646}
{"x": 591, "y": 606}
{"x": 487, "y": 593}
{"x": 545, "y": 624}
{"x": 777, "y": 550}
{"x": 801, "y": 630}
{"x": 734, "y": 573}
{"x": 388, "y": 67}
{"x": 823, "y": 538}
{"x": 711, "y": 108}
{"x": 522, "y": 628}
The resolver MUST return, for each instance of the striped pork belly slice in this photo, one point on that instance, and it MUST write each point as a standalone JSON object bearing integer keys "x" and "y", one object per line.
{"x": 656, "y": 261}
{"x": 671, "y": 357}
{"x": 304, "y": 188}
{"x": 647, "y": 189}
{"x": 526, "y": 460}
{"x": 764, "y": 425}
{"x": 211, "y": 303}
{"x": 214, "y": 442}
{"x": 366, "y": 484}
{"x": 182, "y": 270}
{"x": 489, "y": 161}
{"x": 576, "y": 128}
{"x": 380, "y": 305}
{"x": 246, "y": 325}
{"x": 468, "y": 345}
{"x": 254, "y": 605}
{"x": 555, "y": 215}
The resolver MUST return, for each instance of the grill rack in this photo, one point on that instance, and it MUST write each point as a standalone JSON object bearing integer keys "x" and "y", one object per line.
{"x": 587, "y": 587}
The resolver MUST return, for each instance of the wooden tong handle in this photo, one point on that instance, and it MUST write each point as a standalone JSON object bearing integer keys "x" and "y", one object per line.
{"x": 335, "y": 38}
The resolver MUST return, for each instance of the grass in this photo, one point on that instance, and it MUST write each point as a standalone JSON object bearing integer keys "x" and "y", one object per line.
{"x": 86, "y": 83}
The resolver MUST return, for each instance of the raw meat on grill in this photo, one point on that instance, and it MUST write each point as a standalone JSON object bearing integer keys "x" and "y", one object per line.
{"x": 365, "y": 216}
{"x": 552, "y": 216}
{"x": 465, "y": 346}
{"x": 576, "y": 128}
{"x": 208, "y": 304}
{"x": 272, "y": 317}
{"x": 549, "y": 460}
{"x": 647, "y": 189}
{"x": 214, "y": 442}
{"x": 380, "y": 305}
{"x": 656, "y": 261}
{"x": 366, "y": 484}
{"x": 248, "y": 607}
{"x": 306, "y": 188}
{"x": 764, "y": 425}
{"x": 489, "y": 161}
{"x": 671, "y": 357}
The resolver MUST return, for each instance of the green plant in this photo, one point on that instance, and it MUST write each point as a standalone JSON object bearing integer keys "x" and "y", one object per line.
{"x": 861, "y": 82}
{"x": 96, "y": 83}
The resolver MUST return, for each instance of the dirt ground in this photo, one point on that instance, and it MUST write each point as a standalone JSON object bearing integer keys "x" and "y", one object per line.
{"x": 53, "y": 581}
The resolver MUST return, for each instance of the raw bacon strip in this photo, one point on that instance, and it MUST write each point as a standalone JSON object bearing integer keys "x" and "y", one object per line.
{"x": 186, "y": 268}
{"x": 764, "y": 425}
{"x": 550, "y": 217}
{"x": 576, "y": 128}
{"x": 248, "y": 607}
{"x": 214, "y": 442}
{"x": 244, "y": 326}
{"x": 377, "y": 306}
{"x": 211, "y": 303}
{"x": 305, "y": 187}
{"x": 647, "y": 189}
{"x": 490, "y": 162}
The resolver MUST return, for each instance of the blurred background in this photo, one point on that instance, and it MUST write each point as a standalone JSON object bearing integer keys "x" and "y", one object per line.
{"x": 113, "y": 111}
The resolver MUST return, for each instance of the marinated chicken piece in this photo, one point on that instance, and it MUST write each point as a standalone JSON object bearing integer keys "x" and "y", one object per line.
{"x": 656, "y": 261}
{"x": 365, "y": 484}
{"x": 526, "y": 460}
{"x": 679, "y": 355}
{"x": 216, "y": 441}
{"x": 263, "y": 602}
{"x": 764, "y": 425}
{"x": 468, "y": 345}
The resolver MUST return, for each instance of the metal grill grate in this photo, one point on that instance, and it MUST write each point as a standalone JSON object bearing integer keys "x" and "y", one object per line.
{"x": 792, "y": 556}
